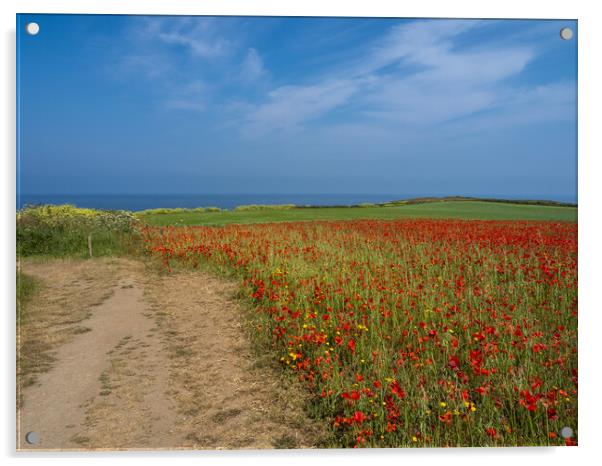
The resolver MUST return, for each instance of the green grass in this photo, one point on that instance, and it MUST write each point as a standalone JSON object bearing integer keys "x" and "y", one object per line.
{"x": 442, "y": 209}
{"x": 26, "y": 287}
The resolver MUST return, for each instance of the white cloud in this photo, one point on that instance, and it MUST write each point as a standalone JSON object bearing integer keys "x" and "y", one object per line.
{"x": 252, "y": 67}
{"x": 178, "y": 79}
{"x": 198, "y": 45}
{"x": 422, "y": 42}
{"x": 289, "y": 106}
{"x": 415, "y": 75}
{"x": 199, "y": 36}
{"x": 207, "y": 57}
{"x": 452, "y": 86}
{"x": 524, "y": 106}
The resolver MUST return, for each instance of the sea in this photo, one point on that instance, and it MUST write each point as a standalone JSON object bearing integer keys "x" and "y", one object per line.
{"x": 136, "y": 202}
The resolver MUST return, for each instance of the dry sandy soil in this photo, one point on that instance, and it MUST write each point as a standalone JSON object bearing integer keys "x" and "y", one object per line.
{"x": 113, "y": 355}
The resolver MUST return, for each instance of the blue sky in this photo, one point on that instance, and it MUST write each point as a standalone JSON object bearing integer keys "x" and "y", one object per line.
{"x": 141, "y": 104}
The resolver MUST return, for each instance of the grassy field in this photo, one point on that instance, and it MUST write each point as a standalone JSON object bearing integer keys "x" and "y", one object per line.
{"x": 480, "y": 210}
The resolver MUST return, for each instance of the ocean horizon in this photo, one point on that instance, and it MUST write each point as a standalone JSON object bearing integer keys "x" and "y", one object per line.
{"x": 136, "y": 202}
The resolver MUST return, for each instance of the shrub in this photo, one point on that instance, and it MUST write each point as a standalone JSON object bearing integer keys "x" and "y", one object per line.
{"x": 251, "y": 207}
{"x": 63, "y": 230}
{"x": 155, "y": 211}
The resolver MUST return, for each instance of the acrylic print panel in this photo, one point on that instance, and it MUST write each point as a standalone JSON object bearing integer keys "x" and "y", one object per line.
{"x": 263, "y": 232}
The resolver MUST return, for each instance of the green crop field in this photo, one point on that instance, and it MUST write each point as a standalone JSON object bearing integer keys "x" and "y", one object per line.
{"x": 482, "y": 210}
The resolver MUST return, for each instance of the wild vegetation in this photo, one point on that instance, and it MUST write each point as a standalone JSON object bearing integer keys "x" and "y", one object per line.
{"x": 406, "y": 331}
{"x": 67, "y": 230}
{"x": 411, "y": 332}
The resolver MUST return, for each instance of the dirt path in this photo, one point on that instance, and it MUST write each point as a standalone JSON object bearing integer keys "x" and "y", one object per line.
{"x": 228, "y": 398}
{"x": 115, "y": 356}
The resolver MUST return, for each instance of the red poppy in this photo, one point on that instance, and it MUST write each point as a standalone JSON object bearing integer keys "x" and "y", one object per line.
{"x": 359, "y": 417}
{"x": 351, "y": 345}
{"x": 397, "y": 390}
{"x": 454, "y": 362}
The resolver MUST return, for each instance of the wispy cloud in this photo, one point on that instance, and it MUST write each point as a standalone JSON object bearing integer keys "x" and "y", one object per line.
{"x": 148, "y": 53}
{"x": 289, "y": 106}
{"x": 189, "y": 59}
{"x": 200, "y": 36}
{"x": 252, "y": 66}
{"x": 415, "y": 75}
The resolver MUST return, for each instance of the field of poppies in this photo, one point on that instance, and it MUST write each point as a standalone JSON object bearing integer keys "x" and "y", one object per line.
{"x": 410, "y": 332}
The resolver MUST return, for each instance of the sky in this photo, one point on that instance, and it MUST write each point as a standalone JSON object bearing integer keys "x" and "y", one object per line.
{"x": 165, "y": 104}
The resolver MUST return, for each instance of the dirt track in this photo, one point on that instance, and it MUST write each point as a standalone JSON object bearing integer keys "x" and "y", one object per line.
{"x": 115, "y": 356}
